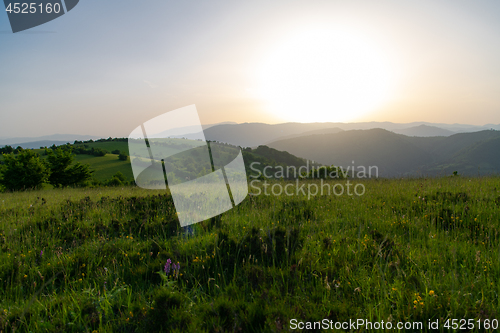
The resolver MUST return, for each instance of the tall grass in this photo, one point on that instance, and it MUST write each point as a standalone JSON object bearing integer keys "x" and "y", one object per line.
{"x": 92, "y": 259}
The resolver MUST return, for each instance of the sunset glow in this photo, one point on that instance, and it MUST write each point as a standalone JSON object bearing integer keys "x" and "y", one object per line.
{"x": 325, "y": 75}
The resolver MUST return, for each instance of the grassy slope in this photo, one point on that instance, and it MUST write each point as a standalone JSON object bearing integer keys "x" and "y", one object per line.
{"x": 106, "y": 166}
{"x": 408, "y": 250}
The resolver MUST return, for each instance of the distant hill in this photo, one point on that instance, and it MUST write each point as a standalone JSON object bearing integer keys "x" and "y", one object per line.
{"x": 319, "y": 131}
{"x": 480, "y": 158}
{"x": 188, "y": 131}
{"x": 397, "y": 154}
{"x": 255, "y": 134}
{"x": 38, "y": 144}
{"x": 55, "y": 138}
{"x": 424, "y": 130}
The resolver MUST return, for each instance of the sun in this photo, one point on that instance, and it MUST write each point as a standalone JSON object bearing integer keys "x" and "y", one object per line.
{"x": 323, "y": 75}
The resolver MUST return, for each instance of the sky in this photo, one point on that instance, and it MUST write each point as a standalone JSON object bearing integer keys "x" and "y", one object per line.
{"x": 106, "y": 67}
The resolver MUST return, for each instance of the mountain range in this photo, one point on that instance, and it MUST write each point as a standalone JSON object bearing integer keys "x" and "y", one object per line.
{"x": 255, "y": 134}
{"x": 399, "y": 155}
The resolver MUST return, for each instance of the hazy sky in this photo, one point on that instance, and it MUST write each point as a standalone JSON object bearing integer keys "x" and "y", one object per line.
{"x": 108, "y": 66}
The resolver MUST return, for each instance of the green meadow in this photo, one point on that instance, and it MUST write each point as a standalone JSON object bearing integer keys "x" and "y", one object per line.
{"x": 408, "y": 250}
{"x": 105, "y": 167}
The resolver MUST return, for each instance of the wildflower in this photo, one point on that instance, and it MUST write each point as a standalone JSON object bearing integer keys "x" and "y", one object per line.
{"x": 431, "y": 293}
{"x": 167, "y": 266}
{"x": 41, "y": 253}
{"x": 177, "y": 268}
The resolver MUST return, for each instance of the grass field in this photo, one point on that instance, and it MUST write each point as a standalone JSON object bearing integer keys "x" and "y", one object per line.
{"x": 92, "y": 260}
{"x": 105, "y": 166}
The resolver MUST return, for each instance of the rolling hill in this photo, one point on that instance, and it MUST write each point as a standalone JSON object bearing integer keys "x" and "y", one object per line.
{"x": 105, "y": 167}
{"x": 398, "y": 155}
{"x": 255, "y": 134}
{"x": 319, "y": 131}
{"x": 424, "y": 131}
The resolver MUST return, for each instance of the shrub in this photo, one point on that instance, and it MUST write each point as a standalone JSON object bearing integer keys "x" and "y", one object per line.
{"x": 117, "y": 180}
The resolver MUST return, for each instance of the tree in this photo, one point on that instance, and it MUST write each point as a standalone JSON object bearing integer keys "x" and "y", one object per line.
{"x": 62, "y": 173}
{"x": 6, "y": 150}
{"x": 122, "y": 157}
{"x": 24, "y": 171}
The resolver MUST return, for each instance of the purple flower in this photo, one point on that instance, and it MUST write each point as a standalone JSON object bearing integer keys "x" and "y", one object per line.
{"x": 41, "y": 253}
{"x": 167, "y": 266}
{"x": 175, "y": 268}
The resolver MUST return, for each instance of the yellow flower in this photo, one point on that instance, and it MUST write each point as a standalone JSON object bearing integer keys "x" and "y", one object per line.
{"x": 431, "y": 293}
{"x": 25, "y": 276}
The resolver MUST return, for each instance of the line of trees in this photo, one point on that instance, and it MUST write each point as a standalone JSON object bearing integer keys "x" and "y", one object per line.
{"x": 27, "y": 170}
{"x": 9, "y": 149}
{"x": 91, "y": 151}
{"x": 86, "y": 150}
